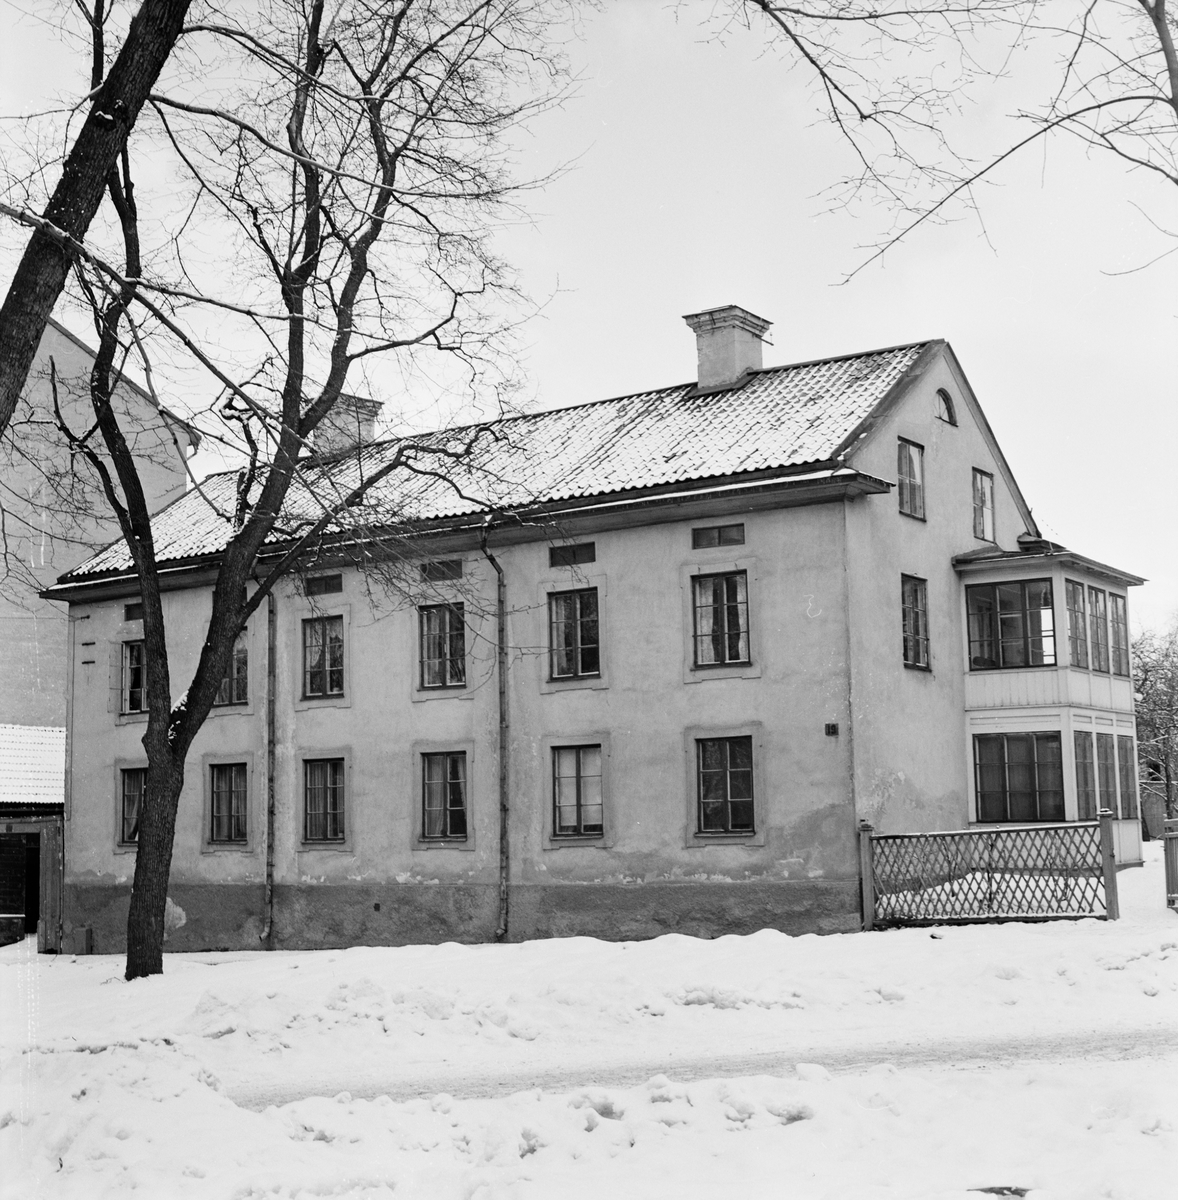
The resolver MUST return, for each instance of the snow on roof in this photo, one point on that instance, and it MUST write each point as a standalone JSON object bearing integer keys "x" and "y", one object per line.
{"x": 32, "y": 764}
{"x": 782, "y": 417}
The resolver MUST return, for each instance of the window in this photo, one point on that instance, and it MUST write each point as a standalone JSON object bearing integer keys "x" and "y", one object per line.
{"x": 571, "y": 556}
{"x": 574, "y": 634}
{"x": 134, "y": 783}
{"x": 1119, "y": 627}
{"x": 1019, "y": 777}
{"x": 1098, "y": 627}
{"x": 323, "y": 657}
{"x": 717, "y": 535}
{"x": 1106, "y": 771}
{"x": 1127, "y": 770}
{"x": 983, "y": 505}
{"x": 234, "y": 688}
{"x": 442, "y": 571}
{"x": 227, "y": 802}
{"x": 443, "y": 645}
{"x": 443, "y": 796}
{"x": 1085, "y": 776}
{"x": 576, "y": 791}
{"x": 1011, "y": 625}
{"x": 132, "y": 612}
{"x": 134, "y": 677}
{"x": 914, "y": 620}
{"x": 323, "y": 800}
{"x": 1077, "y": 625}
{"x": 945, "y": 411}
{"x": 721, "y": 605}
{"x": 724, "y": 770}
{"x": 910, "y": 472}
{"x": 323, "y": 585}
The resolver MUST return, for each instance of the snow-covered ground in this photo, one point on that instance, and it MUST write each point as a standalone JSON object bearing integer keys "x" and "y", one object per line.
{"x": 906, "y": 1065}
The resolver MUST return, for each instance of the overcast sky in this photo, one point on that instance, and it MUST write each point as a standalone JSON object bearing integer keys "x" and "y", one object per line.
{"x": 698, "y": 169}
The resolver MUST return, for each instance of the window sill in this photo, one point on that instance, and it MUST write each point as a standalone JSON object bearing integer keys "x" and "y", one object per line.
{"x": 330, "y": 847}
{"x": 227, "y": 848}
{"x": 697, "y": 673}
{"x": 1010, "y": 670}
{"x": 125, "y": 848}
{"x": 698, "y": 839}
{"x": 557, "y": 840}
{"x": 923, "y": 669}
{"x": 574, "y": 683}
{"x": 130, "y": 718}
{"x": 344, "y": 700}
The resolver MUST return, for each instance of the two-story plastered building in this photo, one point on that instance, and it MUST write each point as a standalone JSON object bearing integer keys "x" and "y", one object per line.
{"x": 740, "y": 615}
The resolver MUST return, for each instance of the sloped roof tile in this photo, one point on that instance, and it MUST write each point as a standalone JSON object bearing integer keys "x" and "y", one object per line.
{"x": 32, "y": 764}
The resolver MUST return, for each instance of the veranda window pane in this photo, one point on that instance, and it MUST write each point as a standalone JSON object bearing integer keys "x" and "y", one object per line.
{"x": 1106, "y": 771}
{"x": 1085, "y": 776}
{"x": 1127, "y": 763}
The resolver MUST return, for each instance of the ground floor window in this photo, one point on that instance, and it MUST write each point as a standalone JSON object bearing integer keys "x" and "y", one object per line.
{"x": 576, "y": 791}
{"x": 134, "y": 783}
{"x": 227, "y": 809}
{"x": 724, "y": 771}
{"x": 443, "y": 796}
{"x": 1018, "y": 777}
{"x": 323, "y": 800}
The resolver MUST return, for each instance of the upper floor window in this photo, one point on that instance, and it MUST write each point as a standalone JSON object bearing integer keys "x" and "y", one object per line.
{"x": 914, "y": 620}
{"x": 133, "y": 612}
{"x": 1019, "y": 776}
{"x": 323, "y": 656}
{"x": 572, "y": 556}
{"x": 1077, "y": 624}
{"x": 323, "y": 585}
{"x": 945, "y": 409}
{"x": 574, "y": 634}
{"x": 234, "y": 686}
{"x": 443, "y": 796}
{"x": 134, "y": 783}
{"x": 576, "y": 791}
{"x": 910, "y": 473}
{"x": 1118, "y": 619}
{"x": 717, "y": 535}
{"x": 1098, "y": 628}
{"x": 983, "y": 505}
{"x": 442, "y": 570}
{"x": 1011, "y": 624}
{"x": 443, "y": 645}
{"x": 227, "y": 790}
{"x": 721, "y": 608}
{"x": 323, "y": 800}
{"x": 134, "y": 677}
{"x": 724, "y": 776}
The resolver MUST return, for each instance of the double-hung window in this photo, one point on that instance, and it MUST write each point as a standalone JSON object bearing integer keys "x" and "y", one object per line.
{"x": 721, "y": 615}
{"x": 1098, "y": 625}
{"x": 227, "y": 808}
{"x": 134, "y": 677}
{"x": 133, "y": 785}
{"x": 1077, "y": 625}
{"x": 574, "y": 634}
{"x": 1118, "y": 619}
{"x": 983, "y": 505}
{"x": 323, "y": 657}
{"x": 1019, "y": 777}
{"x": 576, "y": 791}
{"x": 914, "y": 620}
{"x": 910, "y": 473}
{"x": 724, "y": 779}
{"x": 443, "y": 796}
{"x": 443, "y": 645}
{"x": 323, "y": 800}
{"x": 1011, "y": 625}
{"x": 234, "y": 686}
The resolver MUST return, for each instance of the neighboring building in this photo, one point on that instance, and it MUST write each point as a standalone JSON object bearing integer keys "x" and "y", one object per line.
{"x": 743, "y": 614}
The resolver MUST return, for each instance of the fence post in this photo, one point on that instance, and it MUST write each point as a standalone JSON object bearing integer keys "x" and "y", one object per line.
{"x": 867, "y": 875}
{"x": 1170, "y": 845}
{"x": 1108, "y": 860}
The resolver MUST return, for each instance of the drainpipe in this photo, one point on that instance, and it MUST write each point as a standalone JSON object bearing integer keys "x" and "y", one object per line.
{"x": 504, "y": 728}
{"x": 271, "y": 672}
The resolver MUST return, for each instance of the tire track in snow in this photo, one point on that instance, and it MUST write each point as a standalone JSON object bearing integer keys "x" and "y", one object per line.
{"x": 974, "y": 1053}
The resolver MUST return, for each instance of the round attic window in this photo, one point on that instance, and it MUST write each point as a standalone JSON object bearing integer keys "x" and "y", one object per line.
{"x": 945, "y": 407}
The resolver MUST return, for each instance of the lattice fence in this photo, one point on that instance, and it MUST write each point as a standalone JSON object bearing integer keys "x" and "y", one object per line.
{"x": 1026, "y": 872}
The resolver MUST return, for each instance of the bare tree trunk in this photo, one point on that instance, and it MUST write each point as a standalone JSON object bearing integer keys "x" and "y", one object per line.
{"x": 42, "y": 272}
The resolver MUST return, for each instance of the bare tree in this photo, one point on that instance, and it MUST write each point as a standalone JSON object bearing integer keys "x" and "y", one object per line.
{"x": 344, "y": 168}
{"x": 1155, "y": 674}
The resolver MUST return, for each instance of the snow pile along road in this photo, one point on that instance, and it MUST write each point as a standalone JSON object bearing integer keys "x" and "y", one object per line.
{"x": 409, "y": 1072}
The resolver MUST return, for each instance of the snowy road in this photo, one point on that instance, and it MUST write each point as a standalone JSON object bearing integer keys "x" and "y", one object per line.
{"x": 1104, "y": 1045}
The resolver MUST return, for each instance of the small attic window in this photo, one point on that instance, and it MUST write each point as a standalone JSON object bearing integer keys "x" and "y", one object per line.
{"x": 323, "y": 585}
{"x": 945, "y": 410}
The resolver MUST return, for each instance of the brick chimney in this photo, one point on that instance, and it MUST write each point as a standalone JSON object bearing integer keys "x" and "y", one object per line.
{"x": 727, "y": 344}
{"x": 351, "y": 423}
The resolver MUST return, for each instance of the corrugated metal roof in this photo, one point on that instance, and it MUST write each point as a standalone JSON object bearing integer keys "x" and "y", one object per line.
{"x": 783, "y": 417}
{"x": 32, "y": 764}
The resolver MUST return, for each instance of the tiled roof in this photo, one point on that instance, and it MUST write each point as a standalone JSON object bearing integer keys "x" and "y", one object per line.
{"x": 32, "y": 764}
{"x": 783, "y": 417}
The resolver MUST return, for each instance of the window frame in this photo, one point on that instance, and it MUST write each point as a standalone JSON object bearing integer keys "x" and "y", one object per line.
{"x": 1127, "y": 782}
{"x": 728, "y": 742}
{"x": 221, "y": 758}
{"x": 910, "y": 488}
{"x": 701, "y": 535}
{"x": 239, "y": 657}
{"x": 743, "y": 635}
{"x": 1077, "y": 621}
{"x": 1119, "y": 646}
{"x": 233, "y": 766}
{"x": 578, "y": 595}
{"x": 1035, "y": 761}
{"x": 983, "y": 505}
{"x": 945, "y": 402}
{"x": 414, "y": 780}
{"x": 1098, "y": 632}
{"x": 581, "y": 832}
{"x": 996, "y": 638}
{"x": 571, "y": 554}
{"x": 123, "y": 769}
{"x": 321, "y": 620}
{"x": 455, "y": 611}
{"x": 125, "y": 667}
{"x": 343, "y": 841}
{"x": 424, "y": 759}
{"x": 915, "y": 614}
{"x": 1085, "y": 772}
